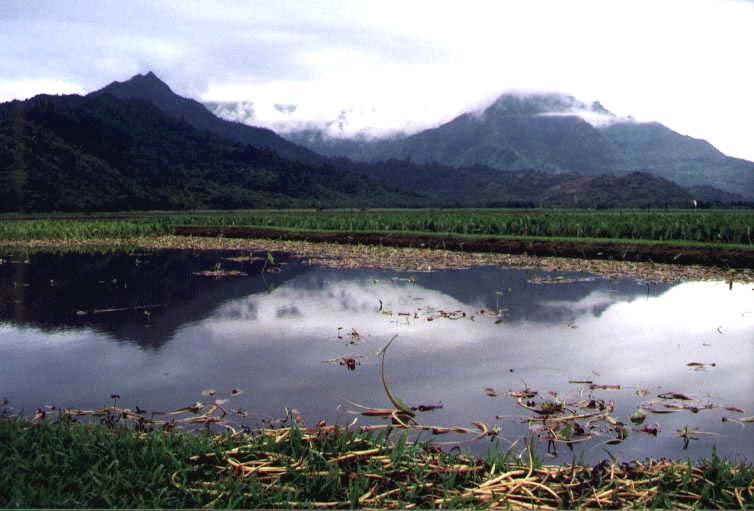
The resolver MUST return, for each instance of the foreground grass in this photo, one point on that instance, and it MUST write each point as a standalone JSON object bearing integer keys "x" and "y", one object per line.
{"x": 723, "y": 227}
{"x": 69, "y": 464}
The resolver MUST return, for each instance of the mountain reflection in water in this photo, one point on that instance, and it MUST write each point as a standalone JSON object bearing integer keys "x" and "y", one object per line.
{"x": 270, "y": 334}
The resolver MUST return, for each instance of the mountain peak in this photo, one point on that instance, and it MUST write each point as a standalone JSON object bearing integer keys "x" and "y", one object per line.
{"x": 539, "y": 103}
{"x": 150, "y": 88}
{"x": 148, "y": 82}
{"x": 532, "y": 103}
{"x": 147, "y": 86}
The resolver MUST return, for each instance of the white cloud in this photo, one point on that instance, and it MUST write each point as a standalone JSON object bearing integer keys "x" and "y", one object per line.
{"x": 24, "y": 89}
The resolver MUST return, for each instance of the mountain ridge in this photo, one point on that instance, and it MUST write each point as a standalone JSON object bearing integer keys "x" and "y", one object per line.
{"x": 100, "y": 152}
{"x": 149, "y": 87}
{"x": 138, "y": 149}
{"x": 551, "y": 132}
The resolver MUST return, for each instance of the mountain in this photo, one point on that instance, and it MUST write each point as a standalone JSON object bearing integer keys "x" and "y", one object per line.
{"x": 140, "y": 148}
{"x": 150, "y": 88}
{"x": 691, "y": 162}
{"x": 481, "y": 186}
{"x": 553, "y": 133}
{"x": 541, "y": 132}
{"x": 101, "y": 152}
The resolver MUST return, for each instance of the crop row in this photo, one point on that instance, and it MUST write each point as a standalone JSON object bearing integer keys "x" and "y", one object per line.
{"x": 713, "y": 226}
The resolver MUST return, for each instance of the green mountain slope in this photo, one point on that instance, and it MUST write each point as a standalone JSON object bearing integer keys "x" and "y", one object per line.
{"x": 103, "y": 153}
{"x": 149, "y": 87}
{"x": 688, "y": 161}
{"x": 484, "y": 186}
{"x": 548, "y": 132}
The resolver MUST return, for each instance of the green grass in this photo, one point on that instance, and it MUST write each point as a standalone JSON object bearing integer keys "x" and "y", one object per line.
{"x": 65, "y": 463}
{"x": 720, "y": 227}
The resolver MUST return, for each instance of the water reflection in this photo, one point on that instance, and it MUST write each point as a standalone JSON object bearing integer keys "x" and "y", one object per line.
{"x": 142, "y": 298}
{"x": 270, "y": 334}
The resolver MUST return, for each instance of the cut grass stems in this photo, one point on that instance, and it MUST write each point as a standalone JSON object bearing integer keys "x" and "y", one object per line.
{"x": 131, "y": 459}
{"x": 65, "y": 463}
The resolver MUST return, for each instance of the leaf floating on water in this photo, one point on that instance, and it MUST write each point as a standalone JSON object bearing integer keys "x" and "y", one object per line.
{"x": 522, "y": 394}
{"x": 650, "y": 429}
{"x": 595, "y": 386}
{"x": 638, "y": 417}
{"x": 195, "y": 408}
{"x": 656, "y": 410}
{"x": 427, "y": 408}
{"x": 692, "y": 409}
{"x": 700, "y": 366}
{"x": 209, "y": 392}
{"x": 349, "y": 362}
{"x": 675, "y": 395}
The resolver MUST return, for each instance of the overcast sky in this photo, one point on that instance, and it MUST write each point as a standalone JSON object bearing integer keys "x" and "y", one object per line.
{"x": 403, "y": 64}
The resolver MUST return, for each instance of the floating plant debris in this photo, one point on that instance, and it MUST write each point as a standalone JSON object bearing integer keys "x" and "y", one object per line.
{"x": 336, "y": 255}
{"x": 349, "y": 362}
{"x": 220, "y": 273}
{"x": 700, "y": 366}
{"x": 559, "y": 280}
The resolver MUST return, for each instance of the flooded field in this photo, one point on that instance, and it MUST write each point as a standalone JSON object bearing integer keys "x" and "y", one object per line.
{"x": 588, "y": 366}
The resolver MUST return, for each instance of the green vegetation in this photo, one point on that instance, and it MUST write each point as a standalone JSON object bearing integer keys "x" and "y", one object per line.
{"x": 100, "y": 153}
{"x": 65, "y": 463}
{"x": 708, "y": 226}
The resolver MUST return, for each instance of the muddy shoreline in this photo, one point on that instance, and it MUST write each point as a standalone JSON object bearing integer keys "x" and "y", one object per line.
{"x": 657, "y": 253}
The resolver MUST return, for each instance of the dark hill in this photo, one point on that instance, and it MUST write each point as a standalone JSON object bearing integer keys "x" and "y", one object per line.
{"x": 100, "y": 152}
{"x": 149, "y": 87}
{"x": 484, "y": 186}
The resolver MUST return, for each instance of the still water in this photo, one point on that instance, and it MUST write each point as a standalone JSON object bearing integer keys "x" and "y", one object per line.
{"x": 156, "y": 330}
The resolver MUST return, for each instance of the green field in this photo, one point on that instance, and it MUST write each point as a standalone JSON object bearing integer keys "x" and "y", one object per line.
{"x": 707, "y": 226}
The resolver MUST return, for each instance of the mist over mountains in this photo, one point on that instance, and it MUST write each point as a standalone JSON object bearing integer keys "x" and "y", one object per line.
{"x": 138, "y": 145}
{"x": 553, "y": 133}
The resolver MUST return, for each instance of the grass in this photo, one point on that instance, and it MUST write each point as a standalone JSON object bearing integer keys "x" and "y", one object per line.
{"x": 65, "y": 463}
{"x": 718, "y": 227}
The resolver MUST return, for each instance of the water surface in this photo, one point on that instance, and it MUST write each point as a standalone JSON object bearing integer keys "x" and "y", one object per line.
{"x": 152, "y": 328}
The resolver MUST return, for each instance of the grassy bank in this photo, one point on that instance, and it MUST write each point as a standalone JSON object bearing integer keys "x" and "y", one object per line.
{"x": 708, "y": 227}
{"x": 69, "y": 464}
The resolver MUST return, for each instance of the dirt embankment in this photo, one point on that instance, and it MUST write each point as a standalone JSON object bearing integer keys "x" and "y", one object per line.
{"x": 658, "y": 253}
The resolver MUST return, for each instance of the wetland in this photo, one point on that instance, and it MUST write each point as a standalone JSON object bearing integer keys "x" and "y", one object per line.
{"x": 590, "y": 359}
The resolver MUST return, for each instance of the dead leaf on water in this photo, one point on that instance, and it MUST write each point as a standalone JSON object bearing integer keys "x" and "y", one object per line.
{"x": 675, "y": 395}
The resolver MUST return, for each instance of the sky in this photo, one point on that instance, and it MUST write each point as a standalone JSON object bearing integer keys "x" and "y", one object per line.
{"x": 385, "y": 66}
